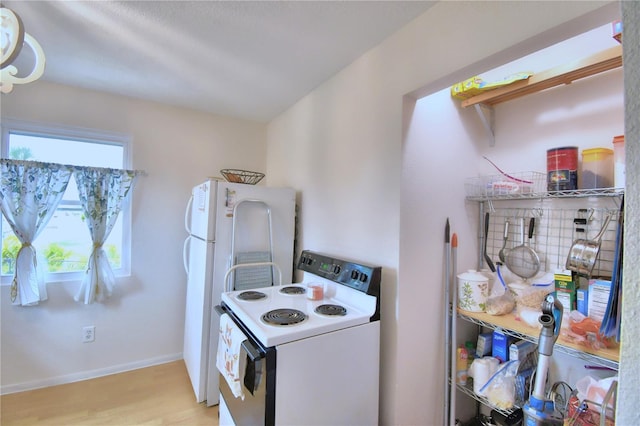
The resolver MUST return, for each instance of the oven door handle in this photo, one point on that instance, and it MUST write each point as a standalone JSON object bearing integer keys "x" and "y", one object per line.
{"x": 253, "y": 370}
{"x": 251, "y": 351}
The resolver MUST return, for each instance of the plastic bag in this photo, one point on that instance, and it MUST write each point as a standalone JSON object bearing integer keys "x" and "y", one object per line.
{"x": 529, "y": 296}
{"x": 500, "y": 390}
{"x": 579, "y": 414}
{"x": 589, "y": 330}
{"x": 585, "y": 408}
{"x": 503, "y": 303}
{"x": 595, "y": 390}
{"x": 500, "y": 305}
{"x": 529, "y": 316}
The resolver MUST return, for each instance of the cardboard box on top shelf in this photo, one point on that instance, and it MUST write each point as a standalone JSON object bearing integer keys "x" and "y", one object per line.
{"x": 476, "y": 85}
{"x": 467, "y": 88}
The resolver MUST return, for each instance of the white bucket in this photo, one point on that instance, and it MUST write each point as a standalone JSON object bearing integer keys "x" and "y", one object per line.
{"x": 473, "y": 291}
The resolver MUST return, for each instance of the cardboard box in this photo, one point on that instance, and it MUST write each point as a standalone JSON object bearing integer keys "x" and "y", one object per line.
{"x": 568, "y": 300}
{"x": 582, "y": 300}
{"x": 484, "y": 346}
{"x": 476, "y": 85}
{"x": 467, "y": 88}
{"x": 523, "y": 385}
{"x": 500, "y": 345}
{"x": 599, "y": 291}
{"x": 564, "y": 281}
{"x": 616, "y": 27}
{"x": 565, "y": 289}
{"x": 520, "y": 349}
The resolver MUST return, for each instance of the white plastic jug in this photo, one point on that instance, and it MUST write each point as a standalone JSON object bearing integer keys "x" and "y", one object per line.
{"x": 481, "y": 370}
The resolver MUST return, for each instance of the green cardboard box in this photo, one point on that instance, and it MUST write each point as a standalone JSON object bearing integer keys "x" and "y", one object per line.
{"x": 568, "y": 300}
{"x": 564, "y": 281}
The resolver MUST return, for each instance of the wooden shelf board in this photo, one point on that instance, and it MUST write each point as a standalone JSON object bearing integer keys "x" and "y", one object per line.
{"x": 512, "y": 322}
{"x": 597, "y": 63}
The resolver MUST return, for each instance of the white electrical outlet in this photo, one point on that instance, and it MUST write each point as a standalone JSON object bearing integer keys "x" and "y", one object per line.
{"x": 88, "y": 334}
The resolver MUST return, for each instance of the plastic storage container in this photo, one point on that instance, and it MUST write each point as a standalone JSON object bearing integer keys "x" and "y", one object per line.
{"x": 597, "y": 168}
{"x": 618, "y": 162}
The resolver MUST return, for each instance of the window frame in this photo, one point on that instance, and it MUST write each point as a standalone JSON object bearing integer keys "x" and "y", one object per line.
{"x": 79, "y": 134}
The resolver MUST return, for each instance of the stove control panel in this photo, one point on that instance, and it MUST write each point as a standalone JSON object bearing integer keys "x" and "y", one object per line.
{"x": 356, "y": 275}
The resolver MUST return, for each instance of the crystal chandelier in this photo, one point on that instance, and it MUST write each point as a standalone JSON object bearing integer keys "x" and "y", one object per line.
{"x": 13, "y": 39}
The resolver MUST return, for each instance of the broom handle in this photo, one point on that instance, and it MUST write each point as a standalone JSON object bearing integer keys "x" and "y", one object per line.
{"x": 447, "y": 322}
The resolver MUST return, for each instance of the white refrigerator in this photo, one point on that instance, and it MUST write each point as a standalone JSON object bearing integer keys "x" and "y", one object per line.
{"x": 229, "y": 224}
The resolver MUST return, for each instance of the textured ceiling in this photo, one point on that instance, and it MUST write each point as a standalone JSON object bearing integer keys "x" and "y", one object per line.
{"x": 246, "y": 59}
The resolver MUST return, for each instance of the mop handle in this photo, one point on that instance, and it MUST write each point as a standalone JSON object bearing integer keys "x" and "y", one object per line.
{"x": 454, "y": 311}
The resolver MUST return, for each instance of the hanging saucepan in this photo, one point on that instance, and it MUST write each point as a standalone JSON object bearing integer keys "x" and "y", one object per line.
{"x": 583, "y": 253}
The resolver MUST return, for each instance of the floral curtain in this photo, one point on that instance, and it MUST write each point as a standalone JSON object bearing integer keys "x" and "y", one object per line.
{"x": 102, "y": 193}
{"x": 29, "y": 193}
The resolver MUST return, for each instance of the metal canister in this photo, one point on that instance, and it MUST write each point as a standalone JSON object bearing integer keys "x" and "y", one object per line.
{"x": 562, "y": 169}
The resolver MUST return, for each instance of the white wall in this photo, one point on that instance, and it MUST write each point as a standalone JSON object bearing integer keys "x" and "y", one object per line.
{"x": 342, "y": 145}
{"x": 629, "y": 371}
{"x": 438, "y": 153}
{"x": 143, "y": 322}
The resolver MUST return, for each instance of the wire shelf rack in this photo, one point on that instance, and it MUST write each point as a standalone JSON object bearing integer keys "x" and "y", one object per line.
{"x": 511, "y": 185}
{"x": 555, "y": 231}
{"x": 478, "y": 195}
{"x": 468, "y": 390}
{"x": 591, "y": 358}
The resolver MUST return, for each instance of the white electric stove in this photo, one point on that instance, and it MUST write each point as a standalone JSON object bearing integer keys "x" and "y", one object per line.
{"x": 311, "y": 350}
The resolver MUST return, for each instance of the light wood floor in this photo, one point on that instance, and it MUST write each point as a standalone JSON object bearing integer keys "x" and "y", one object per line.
{"x": 159, "y": 395}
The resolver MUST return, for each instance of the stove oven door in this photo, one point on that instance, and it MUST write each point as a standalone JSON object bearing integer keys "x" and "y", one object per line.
{"x": 258, "y": 405}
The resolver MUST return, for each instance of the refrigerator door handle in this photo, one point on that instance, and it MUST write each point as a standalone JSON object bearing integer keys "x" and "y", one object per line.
{"x": 185, "y": 250}
{"x": 187, "y": 215}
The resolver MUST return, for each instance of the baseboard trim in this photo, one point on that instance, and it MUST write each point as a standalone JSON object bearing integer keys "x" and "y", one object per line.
{"x": 89, "y": 374}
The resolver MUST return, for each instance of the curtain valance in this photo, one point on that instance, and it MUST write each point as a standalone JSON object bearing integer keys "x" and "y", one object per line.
{"x": 68, "y": 167}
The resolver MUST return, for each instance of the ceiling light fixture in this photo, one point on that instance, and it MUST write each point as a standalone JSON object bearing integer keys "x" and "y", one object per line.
{"x": 13, "y": 39}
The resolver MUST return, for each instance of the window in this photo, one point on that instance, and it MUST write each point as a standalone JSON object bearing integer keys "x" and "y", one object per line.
{"x": 64, "y": 245}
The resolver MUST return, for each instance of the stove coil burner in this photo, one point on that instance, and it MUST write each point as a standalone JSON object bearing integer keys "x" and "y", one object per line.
{"x": 284, "y": 317}
{"x": 331, "y": 310}
{"x": 292, "y": 289}
{"x": 251, "y": 295}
